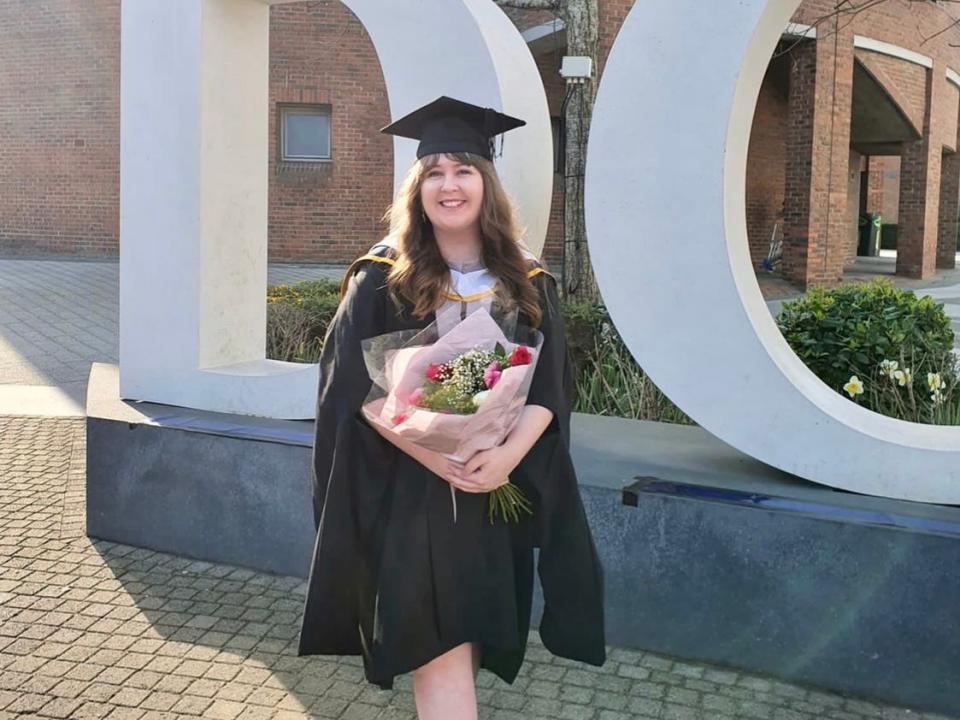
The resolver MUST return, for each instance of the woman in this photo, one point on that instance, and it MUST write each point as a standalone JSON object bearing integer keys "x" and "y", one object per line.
{"x": 393, "y": 578}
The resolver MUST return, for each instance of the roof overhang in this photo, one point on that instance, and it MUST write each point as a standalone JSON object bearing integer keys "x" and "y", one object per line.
{"x": 546, "y": 37}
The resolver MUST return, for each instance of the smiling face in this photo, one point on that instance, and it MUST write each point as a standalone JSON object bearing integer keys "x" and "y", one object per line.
{"x": 452, "y": 194}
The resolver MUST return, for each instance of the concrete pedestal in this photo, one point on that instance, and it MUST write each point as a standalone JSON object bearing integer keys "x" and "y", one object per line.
{"x": 710, "y": 555}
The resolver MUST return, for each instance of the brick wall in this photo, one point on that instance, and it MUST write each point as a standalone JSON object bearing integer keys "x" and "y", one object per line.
{"x": 611, "y": 16}
{"x": 766, "y": 160}
{"x": 59, "y": 108}
{"x": 818, "y": 159}
{"x": 891, "y": 190}
{"x": 797, "y": 178}
{"x": 951, "y": 108}
{"x": 949, "y": 206}
{"x": 549, "y": 66}
{"x": 328, "y": 212}
{"x": 920, "y": 187}
{"x": 875, "y": 181}
{"x": 59, "y": 127}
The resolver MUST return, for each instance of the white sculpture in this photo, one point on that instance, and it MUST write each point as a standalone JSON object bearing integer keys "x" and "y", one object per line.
{"x": 193, "y": 171}
{"x": 665, "y": 187}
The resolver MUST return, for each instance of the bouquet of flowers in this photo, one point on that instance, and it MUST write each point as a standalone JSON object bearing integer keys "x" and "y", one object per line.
{"x": 455, "y": 394}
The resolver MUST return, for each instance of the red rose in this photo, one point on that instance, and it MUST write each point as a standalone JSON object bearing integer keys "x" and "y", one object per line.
{"x": 397, "y": 419}
{"x": 438, "y": 373}
{"x": 520, "y": 356}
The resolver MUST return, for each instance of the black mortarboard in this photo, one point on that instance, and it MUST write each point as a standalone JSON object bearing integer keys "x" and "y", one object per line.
{"x": 448, "y": 126}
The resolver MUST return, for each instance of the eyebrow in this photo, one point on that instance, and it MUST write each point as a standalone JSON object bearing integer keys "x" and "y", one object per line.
{"x": 457, "y": 165}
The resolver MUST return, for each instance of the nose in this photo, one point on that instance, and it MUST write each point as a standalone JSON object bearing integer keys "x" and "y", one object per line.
{"x": 449, "y": 181}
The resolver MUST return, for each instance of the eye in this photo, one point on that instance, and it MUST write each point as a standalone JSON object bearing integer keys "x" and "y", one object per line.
{"x": 433, "y": 173}
{"x": 465, "y": 171}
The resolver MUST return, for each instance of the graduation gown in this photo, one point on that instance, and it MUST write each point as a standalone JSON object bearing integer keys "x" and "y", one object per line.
{"x": 392, "y": 577}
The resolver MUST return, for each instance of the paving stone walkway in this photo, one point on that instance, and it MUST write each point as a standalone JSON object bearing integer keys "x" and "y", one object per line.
{"x": 93, "y": 629}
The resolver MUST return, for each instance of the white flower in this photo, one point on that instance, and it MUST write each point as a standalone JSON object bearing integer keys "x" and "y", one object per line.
{"x": 903, "y": 377}
{"x": 935, "y": 382}
{"x": 888, "y": 367}
{"x": 936, "y": 396}
{"x": 853, "y": 386}
{"x": 480, "y": 396}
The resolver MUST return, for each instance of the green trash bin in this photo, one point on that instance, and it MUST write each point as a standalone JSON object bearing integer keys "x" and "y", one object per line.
{"x": 869, "y": 226}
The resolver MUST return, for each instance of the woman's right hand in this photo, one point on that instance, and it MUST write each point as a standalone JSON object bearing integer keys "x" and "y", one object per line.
{"x": 439, "y": 465}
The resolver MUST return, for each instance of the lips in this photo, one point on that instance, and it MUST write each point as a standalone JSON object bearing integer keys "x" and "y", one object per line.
{"x": 452, "y": 204}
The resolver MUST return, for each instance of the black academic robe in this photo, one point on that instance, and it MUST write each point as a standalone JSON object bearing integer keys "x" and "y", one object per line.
{"x": 393, "y": 578}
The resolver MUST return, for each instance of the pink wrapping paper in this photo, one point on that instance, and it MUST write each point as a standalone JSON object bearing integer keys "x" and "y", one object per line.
{"x": 458, "y": 437}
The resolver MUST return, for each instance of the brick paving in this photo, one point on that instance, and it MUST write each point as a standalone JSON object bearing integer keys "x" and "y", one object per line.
{"x": 94, "y": 629}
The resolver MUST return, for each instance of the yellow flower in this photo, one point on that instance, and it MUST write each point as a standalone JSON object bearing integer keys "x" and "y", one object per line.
{"x": 935, "y": 382}
{"x": 854, "y": 386}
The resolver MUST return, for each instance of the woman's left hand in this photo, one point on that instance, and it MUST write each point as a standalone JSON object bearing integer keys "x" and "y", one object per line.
{"x": 489, "y": 469}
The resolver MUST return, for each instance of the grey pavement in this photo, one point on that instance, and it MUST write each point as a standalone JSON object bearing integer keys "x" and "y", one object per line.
{"x": 94, "y": 629}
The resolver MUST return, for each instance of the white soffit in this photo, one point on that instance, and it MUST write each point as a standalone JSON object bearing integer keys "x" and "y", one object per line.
{"x": 884, "y": 48}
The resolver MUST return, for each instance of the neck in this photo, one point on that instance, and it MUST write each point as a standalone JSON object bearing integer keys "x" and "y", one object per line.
{"x": 459, "y": 246}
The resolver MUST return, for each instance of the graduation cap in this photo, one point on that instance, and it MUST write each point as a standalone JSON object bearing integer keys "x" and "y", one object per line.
{"x": 449, "y": 126}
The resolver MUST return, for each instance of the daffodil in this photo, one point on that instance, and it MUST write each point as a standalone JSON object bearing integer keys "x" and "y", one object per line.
{"x": 888, "y": 367}
{"x": 903, "y": 377}
{"x": 853, "y": 387}
{"x": 935, "y": 382}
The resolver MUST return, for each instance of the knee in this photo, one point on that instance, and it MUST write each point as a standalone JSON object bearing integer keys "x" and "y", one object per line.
{"x": 449, "y": 663}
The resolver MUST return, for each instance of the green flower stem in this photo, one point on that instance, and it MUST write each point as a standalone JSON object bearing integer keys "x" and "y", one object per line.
{"x": 509, "y": 502}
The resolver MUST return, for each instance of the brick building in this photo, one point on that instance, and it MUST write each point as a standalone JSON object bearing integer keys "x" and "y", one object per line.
{"x": 860, "y": 119}
{"x": 858, "y": 113}
{"x": 60, "y": 129}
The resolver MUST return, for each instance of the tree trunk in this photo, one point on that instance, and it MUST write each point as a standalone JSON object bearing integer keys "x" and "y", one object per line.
{"x": 581, "y": 18}
{"x": 582, "y": 39}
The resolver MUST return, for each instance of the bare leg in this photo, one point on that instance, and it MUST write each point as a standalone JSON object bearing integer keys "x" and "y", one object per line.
{"x": 444, "y": 689}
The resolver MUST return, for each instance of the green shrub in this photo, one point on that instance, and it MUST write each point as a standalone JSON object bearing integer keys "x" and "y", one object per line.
{"x": 888, "y": 338}
{"x": 607, "y": 380}
{"x": 297, "y": 319}
{"x": 584, "y": 323}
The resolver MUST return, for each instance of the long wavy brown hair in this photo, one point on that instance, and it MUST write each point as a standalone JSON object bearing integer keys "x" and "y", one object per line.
{"x": 421, "y": 274}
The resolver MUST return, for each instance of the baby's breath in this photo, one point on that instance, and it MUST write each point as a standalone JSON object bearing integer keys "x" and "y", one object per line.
{"x": 467, "y": 376}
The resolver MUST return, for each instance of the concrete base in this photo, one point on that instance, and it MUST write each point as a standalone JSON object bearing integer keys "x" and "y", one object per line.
{"x": 712, "y": 556}
{"x": 217, "y": 487}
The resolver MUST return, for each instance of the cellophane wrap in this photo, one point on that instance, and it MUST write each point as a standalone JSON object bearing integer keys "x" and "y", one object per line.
{"x": 397, "y": 364}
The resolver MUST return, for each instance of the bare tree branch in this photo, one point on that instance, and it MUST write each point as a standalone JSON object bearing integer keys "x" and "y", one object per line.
{"x": 954, "y": 21}
{"x": 849, "y": 9}
{"x": 844, "y": 8}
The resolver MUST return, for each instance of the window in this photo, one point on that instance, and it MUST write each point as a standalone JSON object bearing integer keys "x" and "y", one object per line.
{"x": 304, "y": 133}
{"x": 559, "y": 158}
